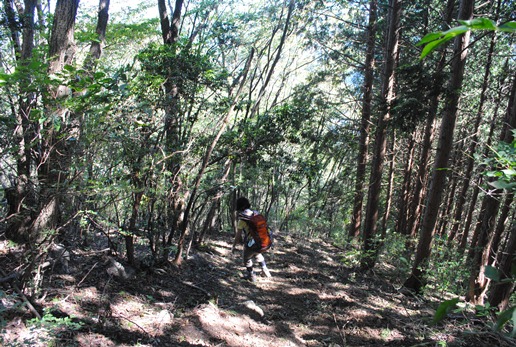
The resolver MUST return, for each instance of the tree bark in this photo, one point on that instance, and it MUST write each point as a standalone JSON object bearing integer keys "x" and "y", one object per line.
{"x": 367, "y": 90}
{"x": 96, "y": 45}
{"x": 416, "y": 280}
{"x": 501, "y": 292}
{"x": 472, "y": 145}
{"x": 388, "y": 96}
{"x": 21, "y": 198}
{"x": 401, "y": 224}
{"x": 415, "y": 207}
{"x": 479, "y": 256}
{"x": 390, "y": 187}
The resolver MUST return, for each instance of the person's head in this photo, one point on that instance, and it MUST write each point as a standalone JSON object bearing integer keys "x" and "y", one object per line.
{"x": 242, "y": 204}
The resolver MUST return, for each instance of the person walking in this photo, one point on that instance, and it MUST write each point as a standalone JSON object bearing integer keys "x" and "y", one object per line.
{"x": 253, "y": 246}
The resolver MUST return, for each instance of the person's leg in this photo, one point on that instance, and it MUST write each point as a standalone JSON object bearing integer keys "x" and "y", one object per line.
{"x": 248, "y": 263}
{"x": 261, "y": 260}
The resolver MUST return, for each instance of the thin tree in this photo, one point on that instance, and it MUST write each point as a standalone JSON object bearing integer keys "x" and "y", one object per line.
{"x": 415, "y": 206}
{"x": 439, "y": 172}
{"x": 380, "y": 144}
{"x": 473, "y": 141}
{"x": 367, "y": 90}
{"x": 480, "y": 252}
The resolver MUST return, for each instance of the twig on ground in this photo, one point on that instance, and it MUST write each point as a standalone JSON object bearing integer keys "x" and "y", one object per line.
{"x": 127, "y": 319}
{"x": 196, "y": 287}
{"x": 84, "y": 278}
{"x": 341, "y": 333}
{"x": 23, "y": 297}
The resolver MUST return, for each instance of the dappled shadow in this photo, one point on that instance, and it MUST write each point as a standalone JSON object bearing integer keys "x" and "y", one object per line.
{"x": 311, "y": 300}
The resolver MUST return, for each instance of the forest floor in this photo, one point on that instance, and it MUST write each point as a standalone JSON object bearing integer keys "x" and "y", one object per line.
{"x": 312, "y": 299}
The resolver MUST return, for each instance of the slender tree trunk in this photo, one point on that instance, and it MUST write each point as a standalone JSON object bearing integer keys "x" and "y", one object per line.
{"x": 500, "y": 228}
{"x": 211, "y": 218}
{"x": 388, "y": 96}
{"x": 401, "y": 225}
{"x": 96, "y": 45}
{"x": 501, "y": 292}
{"x": 479, "y": 255}
{"x": 476, "y": 190}
{"x": 390, "y": 187}
{"x": 367, "y": 90}
{"x": 437, "y": 185}
{"x": 415, "y": 207}
{"x": 447, "y": 207}
{"x": 472, "y": 145}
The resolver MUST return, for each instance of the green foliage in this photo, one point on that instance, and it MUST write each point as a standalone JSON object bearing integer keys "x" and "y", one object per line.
{"x": 49, "y": 325}
{"x": 505, "y": 317}
{"x": 410, "y": 108}
{"x": 504, "y": 163}
{"x": 444, "y": 309}
{"x": 447, "y": 272}
{"x": 434, "y": 40}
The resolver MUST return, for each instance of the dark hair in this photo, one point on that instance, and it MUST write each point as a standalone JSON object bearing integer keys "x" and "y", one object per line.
{"x": 242, "y": 204}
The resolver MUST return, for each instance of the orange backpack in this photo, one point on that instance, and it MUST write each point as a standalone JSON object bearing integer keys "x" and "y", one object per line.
{"x": 259, "y": 230}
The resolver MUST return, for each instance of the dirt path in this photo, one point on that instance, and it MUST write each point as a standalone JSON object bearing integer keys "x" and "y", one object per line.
{"x": 311, "y": 300}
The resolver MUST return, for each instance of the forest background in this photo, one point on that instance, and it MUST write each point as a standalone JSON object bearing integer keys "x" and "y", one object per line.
{"x": 144, "y": 130}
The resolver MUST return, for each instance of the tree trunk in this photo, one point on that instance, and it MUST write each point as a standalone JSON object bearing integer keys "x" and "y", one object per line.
{"x": 390, "y": 187}
{"x": 437, "y": 185}
{"x": 476, "y": 190}
{"x": 401, "y": 225}
{"x": 56, "y": 152}
{"x": 494, "y": 255}
{"x": 96, "y": 45}
{"x": 472, "y": 145}
{"x": 388, "y": 96}
{"x": 367, "y": 90}
{"x": 480, "y": 253}
{"x": 447, "y": 207}
{"x": 21, "y": 198}
{"x": 415, "y": 207}
{"x": 501, "y": 291}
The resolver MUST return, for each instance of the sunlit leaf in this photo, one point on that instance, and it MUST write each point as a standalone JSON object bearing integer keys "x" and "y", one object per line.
{"x": 509, "y": 27}
{"x": 455, "y": 31}
{"x": 429, "y": 38}
{"x": 479, "y": 23}
{"x": 509, "y": 172}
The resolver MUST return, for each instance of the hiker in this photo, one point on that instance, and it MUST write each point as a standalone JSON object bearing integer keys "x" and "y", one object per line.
{"x": 253, "y": 249}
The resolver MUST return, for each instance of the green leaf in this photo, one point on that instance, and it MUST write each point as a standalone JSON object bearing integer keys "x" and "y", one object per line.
{"x": 4, "y": 78}
{"x": 504, "y": 317}
{"x": 492, "y": 273}
{"x": 444, "y": 308}
{"x": 430, "y": 47}
{"x": 455, "y": 31}
{"x": 492, "y": 174}
{"x": 429, "y": 38}
{"x": 509, "y": 172}
{"x": 509, "y": 27}
{"x": 479, "y": 23}
{"x": 501, "y": 184}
